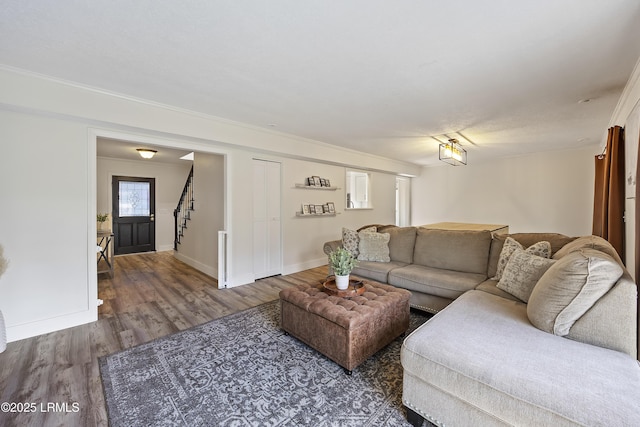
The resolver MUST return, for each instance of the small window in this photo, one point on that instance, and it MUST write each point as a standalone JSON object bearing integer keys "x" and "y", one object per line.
{"x": 133, "y": 199}
{"x": 358, "y": 190}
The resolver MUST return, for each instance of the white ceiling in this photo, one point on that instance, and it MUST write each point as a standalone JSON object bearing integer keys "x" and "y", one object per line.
{"x": 118, "y": 149}
{"x": 373, "y": 75}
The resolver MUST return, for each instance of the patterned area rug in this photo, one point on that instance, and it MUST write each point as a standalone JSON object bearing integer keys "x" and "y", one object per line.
{"x": 242, "y": 370}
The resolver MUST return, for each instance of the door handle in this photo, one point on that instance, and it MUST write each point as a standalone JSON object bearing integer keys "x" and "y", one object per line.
{"x": 152, "y": 217}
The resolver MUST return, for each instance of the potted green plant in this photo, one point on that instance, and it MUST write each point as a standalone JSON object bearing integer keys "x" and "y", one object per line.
{"x": 342, "y": 263}
{"x": 101, "y": 217}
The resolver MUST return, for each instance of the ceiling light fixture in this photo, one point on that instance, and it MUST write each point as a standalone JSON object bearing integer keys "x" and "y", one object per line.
{"x": 452, "y": 152}
{"x": 146, "y": 153}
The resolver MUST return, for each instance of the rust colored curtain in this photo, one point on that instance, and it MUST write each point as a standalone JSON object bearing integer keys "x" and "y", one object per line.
{"x": 608, "y": 206}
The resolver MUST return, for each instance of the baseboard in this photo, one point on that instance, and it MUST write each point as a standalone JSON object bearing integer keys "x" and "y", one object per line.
{"x": 45, "y": 326}
{"x": 206, "y": 269}
{"x": 294, "y": 268}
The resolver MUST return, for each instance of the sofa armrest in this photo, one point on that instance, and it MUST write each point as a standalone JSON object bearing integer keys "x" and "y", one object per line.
{"x": 332, "y": 246}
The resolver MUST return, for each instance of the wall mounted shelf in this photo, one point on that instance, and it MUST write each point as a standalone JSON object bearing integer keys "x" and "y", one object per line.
{"x": 312, "y": 187}
{"x": 301, "y": 215}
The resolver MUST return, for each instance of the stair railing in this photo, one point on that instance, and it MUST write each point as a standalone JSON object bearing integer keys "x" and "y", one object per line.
{"x": 182, "y": 213}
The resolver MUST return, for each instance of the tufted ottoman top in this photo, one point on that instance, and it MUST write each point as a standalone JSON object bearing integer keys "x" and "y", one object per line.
{"x": 348, "y": 313}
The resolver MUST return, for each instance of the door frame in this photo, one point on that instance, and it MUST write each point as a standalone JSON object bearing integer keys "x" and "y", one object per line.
{"x": 170, "y": 141}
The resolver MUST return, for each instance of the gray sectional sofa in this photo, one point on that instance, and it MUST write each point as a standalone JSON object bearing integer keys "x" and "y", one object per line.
{"x": 563, "y": 353}
{"x": 438, "y": 266}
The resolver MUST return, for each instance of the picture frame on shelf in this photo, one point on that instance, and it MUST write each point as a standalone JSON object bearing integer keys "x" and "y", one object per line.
{"x": 311, "y": 182}
{"x": 312, "y": 209}
{"x": 319, "y": 209}
{"x": 323, "y": 182}
{"x": 327, "y": 182}
{"x": 305, "y": 209}
{"x": 331, "y": 207}
{"x": 316, "y": 181}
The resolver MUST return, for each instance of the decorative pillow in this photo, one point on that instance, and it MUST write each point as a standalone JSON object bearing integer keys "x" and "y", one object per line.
{"x": 350, "y": 240}
{"x": 374, "y": 246}
{"x": 522, "y": 272}
{"x": 569, "y": 288}
{"x": 542, "y": 249}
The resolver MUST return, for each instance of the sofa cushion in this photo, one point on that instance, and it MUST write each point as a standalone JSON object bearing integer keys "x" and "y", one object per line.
{"x": 401, "y": 243}
{"x": 522, "y": 272}
{"x": 373, "y": 246}
{"x": 482, "y": 351}
{"x": 591, "y": 242}
{"x": 542, "y": 249}
{"x": 556, "y": 240}
{"x": 351, "y": 240}
{"x": 378, "y": 271}
{"x": 457, "y": 250}
{"x": 491, "y": 286}
{"x": 569, "y": 288}
{"x": 435, "y": 281}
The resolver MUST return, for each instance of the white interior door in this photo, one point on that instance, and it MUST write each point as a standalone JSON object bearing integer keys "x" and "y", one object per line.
{"x": 403, "y": 201}
{"x": 267, "y": 241}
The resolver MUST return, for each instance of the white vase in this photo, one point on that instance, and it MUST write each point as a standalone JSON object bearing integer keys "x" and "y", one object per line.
{"x": 342, "y": 282}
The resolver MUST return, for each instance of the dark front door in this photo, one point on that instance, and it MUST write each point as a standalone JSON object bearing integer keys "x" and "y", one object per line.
{"x": 133, "y": 214}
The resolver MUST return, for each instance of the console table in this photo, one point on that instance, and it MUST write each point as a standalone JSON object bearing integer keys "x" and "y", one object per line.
{"x": 105, "y": 251}
{"x": 493, "y": 228}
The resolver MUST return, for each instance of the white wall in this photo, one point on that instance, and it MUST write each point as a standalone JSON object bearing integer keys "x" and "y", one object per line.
{"x": 543, "y": 192}
{"x": 48, "y": 132}
{"x": 170, "y": 179}
{"x": 303, "y": 238}
{"x": 44, "y": 224}
{"x": 199, "y": 246}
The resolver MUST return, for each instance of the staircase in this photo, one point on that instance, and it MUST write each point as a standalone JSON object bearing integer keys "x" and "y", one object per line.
{"x": 182, "y": 213}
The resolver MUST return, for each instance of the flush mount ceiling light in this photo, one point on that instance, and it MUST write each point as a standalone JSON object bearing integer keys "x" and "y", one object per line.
{"x": 145, "y": 153}
{"x": 452, "y": 152}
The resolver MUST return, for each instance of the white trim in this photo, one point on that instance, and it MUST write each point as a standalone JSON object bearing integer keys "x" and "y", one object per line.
{"x": 296, "y": 268}
{"x": 95, "y": 133}
{"x": 627, "y": 101}
{"x": 92, "y": 198}
{"x": 206, "y": 269}
{"x": 399, "y": 165}
{"x": 45, "y": 326}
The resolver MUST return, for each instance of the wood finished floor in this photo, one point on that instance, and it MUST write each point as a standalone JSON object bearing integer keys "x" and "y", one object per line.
{"x": 150, "y": 296}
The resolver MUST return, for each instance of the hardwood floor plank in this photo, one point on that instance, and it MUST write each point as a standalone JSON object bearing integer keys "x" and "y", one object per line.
{"x": 149, "y": 296}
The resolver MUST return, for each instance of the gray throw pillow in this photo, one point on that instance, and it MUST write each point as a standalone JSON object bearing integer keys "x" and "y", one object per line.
{"x": 542, "y": 249}
{"x": 569, "y": 288}
{"x": 373, "y": 247}
{"x": 522, "y": 272}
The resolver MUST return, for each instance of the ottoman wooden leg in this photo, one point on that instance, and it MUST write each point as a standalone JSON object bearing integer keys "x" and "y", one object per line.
{"x": 414, "y": 418}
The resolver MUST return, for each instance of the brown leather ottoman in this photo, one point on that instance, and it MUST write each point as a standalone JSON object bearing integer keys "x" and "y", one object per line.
{"x": 346, "y": 330}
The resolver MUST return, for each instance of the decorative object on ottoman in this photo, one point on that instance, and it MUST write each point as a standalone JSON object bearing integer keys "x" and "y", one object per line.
{"x": 355, "y": 288}
{"x": 341, "y": 261}
{"x": 346, "y": 330}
